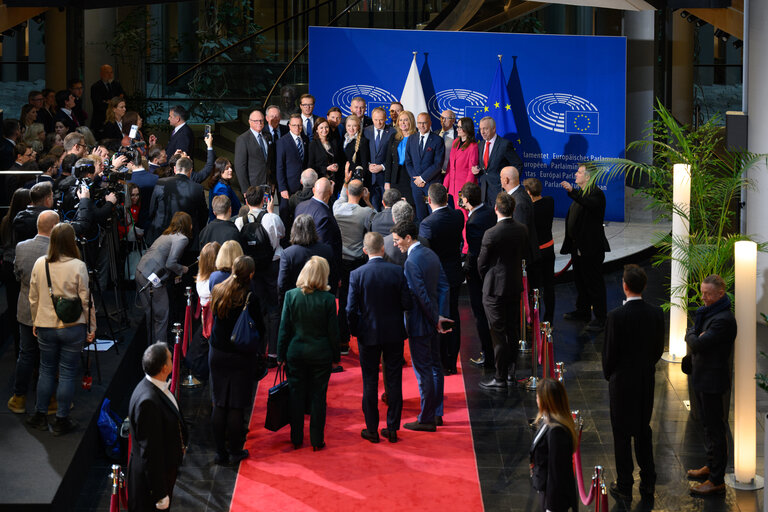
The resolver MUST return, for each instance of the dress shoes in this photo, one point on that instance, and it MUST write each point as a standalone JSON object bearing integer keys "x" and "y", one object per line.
{"x": 493, "y": 384}
{"x": 596, "y": 325}
{"x": 369, "y": 436}
{"x": 337, "y": 369}
{"x": 647, "y": 490}
{"x": 450, "y": 371}
{"x": 236, "y": 457}
{"x": 271, "y": 362}
{"x": 318, "y": 447}
{"x": 439, "y": 421}
{"x": 391, "y": 435}
{"x": 699, "y": 474}
{"x": 578, "y": 316}
{"x": 421, "y": 427}
{"x": 478, "y": 361}
{"x": 707, "y": 488}
{"x": 384, "y": 398}
{"x": 620, "y": 493}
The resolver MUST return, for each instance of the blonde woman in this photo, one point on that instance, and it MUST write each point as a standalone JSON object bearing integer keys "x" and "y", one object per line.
{"x": 308, "y": 342}
{"x": 205, "y": 267}
{"x": 395, "y": 173}
{"x": 229, "y": 252}
{"x": 60, "y": 343}
{"x": 357, "y": 151}
{"x": 552, "y": 449}
{"x": 34, "y": 137}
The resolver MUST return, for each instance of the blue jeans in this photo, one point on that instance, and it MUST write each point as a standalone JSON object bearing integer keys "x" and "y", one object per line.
{"x": 59, "y": 350}
{"x": 425, "y": 356}
{"x": 25, "y": 364}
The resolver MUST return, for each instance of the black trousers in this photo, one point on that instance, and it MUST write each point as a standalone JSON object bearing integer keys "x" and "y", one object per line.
{"x": 622, "y": 448}
{"x": 347, "y": 266}
{"x": 393, "y": 380}
{"x": 266, "y": 286}
{"x": 450, "y": 343}
{"x": 503, "y": 314}
{"x": 714, "y": 421}
{"x": 590, "y": 285}
{"x": 308, "y": 382}
{"x": 542, "y": 275}
{"x": 475, "y": 286}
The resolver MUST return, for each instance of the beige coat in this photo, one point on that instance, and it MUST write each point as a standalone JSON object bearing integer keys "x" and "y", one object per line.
{"x": 69, "y": 278}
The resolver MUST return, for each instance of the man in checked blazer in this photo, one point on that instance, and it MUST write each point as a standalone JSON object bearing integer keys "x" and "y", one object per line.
{"x": 254, "y": 154}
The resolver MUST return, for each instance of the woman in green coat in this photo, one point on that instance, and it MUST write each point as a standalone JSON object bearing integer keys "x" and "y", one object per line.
{"x": 308, "y": 342}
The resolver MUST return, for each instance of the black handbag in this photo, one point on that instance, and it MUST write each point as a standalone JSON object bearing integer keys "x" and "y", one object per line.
{"x": 245, "y": 335}
{"x": 278, "y": 403}
{"x": 68, "y": 310}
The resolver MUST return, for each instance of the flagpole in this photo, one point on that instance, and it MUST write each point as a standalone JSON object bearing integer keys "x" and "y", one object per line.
{"x": 499, "y": 57}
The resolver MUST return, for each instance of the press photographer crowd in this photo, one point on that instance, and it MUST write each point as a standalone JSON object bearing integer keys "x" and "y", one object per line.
{"x": 387, "y": 220}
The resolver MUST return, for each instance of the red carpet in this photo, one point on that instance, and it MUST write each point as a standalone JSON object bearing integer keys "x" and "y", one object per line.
{"x": 423, "y": 470}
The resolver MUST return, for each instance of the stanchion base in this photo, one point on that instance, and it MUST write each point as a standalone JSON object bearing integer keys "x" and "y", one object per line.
{"x": 666, "y": 356}
{"x": 191, "y": 382}
{"x": 755, "y": 484}
{"x": 531, "y": 384}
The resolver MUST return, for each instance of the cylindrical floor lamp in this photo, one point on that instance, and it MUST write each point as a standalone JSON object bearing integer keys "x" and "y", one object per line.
{"x": 678, "y": 313}
{"x": 745, "y": 353}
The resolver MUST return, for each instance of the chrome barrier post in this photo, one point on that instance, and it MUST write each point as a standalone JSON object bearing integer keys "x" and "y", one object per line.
{"x": 546, "y": 330}
{"x": 525, "y": 349}
{"x": 189, "y": 382}
{"x": 560, "y": 371}
{"x": 177, "y": 329}
{"x": 597, "y": 480}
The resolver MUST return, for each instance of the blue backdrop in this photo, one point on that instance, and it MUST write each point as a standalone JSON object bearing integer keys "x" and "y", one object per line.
{"x": 567, "y": 94}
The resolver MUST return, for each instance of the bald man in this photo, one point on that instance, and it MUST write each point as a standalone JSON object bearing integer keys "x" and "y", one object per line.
{"x": 27, "y": 252}
{"x": 327, "y": 228}
{"x": 510, "y": 183}
{"x": 102, "y": 91}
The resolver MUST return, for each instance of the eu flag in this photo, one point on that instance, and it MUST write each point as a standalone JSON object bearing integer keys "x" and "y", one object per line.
{"x": 582, "y": 121}
{"x": 499, "y": 107}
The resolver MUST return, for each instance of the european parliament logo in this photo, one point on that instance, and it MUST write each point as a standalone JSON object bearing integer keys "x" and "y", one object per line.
{"x": 564, "y": 113}
{"x": 463, "y": 103}
{"x": 374, "y": 97}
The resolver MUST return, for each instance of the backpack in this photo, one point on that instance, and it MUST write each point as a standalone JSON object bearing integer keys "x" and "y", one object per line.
{"x": 256, "y": 242}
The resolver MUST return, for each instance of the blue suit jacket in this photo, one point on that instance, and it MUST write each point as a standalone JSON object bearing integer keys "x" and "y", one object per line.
{"x": 378, "y": 297}
{"x": 378, "y": 157}
{"x": 443, "y": 228}
{"x": 289, "y": 164}
{"x": 146, "y": 181}
{"x": 325, "y": 223}
{"x": 429, "y": 164}
{"x": 293, "y": 260}
{"x": 429, "y": 289}
{"x": 183, "y": 139}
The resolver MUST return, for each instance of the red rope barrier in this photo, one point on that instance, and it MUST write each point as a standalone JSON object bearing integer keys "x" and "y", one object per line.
{"x": 526, "y": 298}
{"x": 176, "y": 367}
{"x": 565, "y": 268}
{"x": 187, "y": 328}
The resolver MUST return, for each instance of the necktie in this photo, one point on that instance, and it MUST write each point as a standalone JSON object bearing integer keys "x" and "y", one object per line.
{"x": 260, "y": 140}
{"x": 378, "y": 140}
{"x": 300, "y": 147}
{"x": 275, "y": 134}
{"x": 485, "y": 153}
{"x": 309, "y": 129}
{"x": 423, "y": 142}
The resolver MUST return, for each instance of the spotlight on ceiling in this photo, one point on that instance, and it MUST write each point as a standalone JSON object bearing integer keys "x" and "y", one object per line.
{"x": 691, "y": 18}
{"x": 683, "y": 14}
{"x": 738, "y": 43}
{"x": 722, "y": 35}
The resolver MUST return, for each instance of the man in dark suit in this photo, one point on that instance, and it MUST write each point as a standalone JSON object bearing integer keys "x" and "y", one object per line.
{"x": 102, "y": 91}
{"x": 378, "y": 297}
{"x": 11, "y": 136}
{"x": 308, "y": 180}
{"x": 291, "y": 161}
{"x": 334, "y": 121}
{"x": 158, "y": 433}
{"x": 76, "y": 88}
{"x": 479, "y": 220}
{"x": 443, "y": 230}
{"x": 254, "y": 154}
{"x": 423, "y": 160}
{"x": 146, "y": 182}
{"x": 495, "y": 153}
{"x": 174, "y": 194}
{"x": 378, "y": 141}
{"x": 382, "y": 222}
{"x": 448, "y": 133}
{"x": 634, "y": 342}
{"x": 510, "y": 183}
{"x": 710, "y": 345}
{"x": 275, "y": 129}
{"x": 65, "y": 103}
{"x": 181, "y": 137}
{"x": 401, "y": 211}
{"x": 327, "y": 228}
{"x": 586, "y": 243}
{"x": 424, "y": 321}
{"x": 308, "y": 119}
{"x": 500, "y": 266}
{"x": 357, "y": 106}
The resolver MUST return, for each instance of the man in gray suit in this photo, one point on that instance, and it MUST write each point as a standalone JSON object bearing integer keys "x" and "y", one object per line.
{"x": 27, "y": 252}
{"x": 401, "y": 211}
{"x": 510, "y": 182}
{"x": 254, "y": 154}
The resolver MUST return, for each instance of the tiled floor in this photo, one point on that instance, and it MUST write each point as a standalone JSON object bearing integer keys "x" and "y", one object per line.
{"x": 501, "y": 433}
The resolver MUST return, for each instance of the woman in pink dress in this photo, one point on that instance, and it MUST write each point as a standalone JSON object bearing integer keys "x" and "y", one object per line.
{"x": 459, "y": 171}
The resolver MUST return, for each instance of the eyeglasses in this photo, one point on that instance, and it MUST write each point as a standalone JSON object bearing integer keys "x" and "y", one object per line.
{"x": 307, "y": 104}
{"x": 256, "y": 121}
{"x": 446, "y": 118}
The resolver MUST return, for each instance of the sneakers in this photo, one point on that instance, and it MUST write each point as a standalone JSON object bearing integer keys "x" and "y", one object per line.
{"x": 18, "y": 404}
{"x": 38, "y": 421}
{"x": 63, "y": 425}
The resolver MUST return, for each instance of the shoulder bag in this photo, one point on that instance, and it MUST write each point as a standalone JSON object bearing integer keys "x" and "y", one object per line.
{"x": 245, "y": 336}
{"x": 68, "y": 310}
